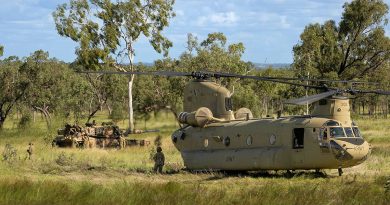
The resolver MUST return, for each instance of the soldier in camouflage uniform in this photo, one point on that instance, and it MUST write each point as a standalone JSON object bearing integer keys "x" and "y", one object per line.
{"x": 122, "y": 142}
{"x": 159, "y": 160}
{"x": 30, "y": 150}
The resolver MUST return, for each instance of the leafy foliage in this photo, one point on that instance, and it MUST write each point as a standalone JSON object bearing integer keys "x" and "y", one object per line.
{"x": 106, "y": 32}
{"x": 103, "y": 27}
{"x": 353, "y": 48}
{"x": 14, "y": 84}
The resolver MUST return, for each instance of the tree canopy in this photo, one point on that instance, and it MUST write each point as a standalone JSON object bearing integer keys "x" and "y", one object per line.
{"x": 106, "y": 32}
{"x": 352, "y": 48}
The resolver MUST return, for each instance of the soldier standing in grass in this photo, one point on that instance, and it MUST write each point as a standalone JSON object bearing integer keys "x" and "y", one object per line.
{"x": 30, "y": 150}
{"x": 122, "y": 142}
{"x": 159, "y": 160}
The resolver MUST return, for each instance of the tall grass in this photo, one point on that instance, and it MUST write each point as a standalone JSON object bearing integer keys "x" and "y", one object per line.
{"x": 110, "y": 176}
{"x": 239, "y": 191}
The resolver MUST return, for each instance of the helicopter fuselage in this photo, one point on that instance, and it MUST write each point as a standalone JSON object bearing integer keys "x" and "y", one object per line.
{"x": 290, "y": 143}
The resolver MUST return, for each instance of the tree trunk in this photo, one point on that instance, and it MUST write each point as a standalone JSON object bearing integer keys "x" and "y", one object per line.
{"x": 174, "y": 111}
{"x": 45, "y": 114}
{"x": 47, "y": 118}
{"x": 109, "y": 110}
{"x": 1, "y": 123}
{"x": 131, "y": 114}
{"x": 93, "y": 113}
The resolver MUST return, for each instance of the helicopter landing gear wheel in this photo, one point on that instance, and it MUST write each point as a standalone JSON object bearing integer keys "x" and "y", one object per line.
{"x": 340, "y": 171}
{"x": 289, "y": 174}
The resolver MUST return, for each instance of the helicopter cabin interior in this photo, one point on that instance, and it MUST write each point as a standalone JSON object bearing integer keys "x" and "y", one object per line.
{"x": 298, "y": 138}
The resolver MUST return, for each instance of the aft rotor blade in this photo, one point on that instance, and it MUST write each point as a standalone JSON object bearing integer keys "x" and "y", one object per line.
{"x": 229, "y": 75}
{"x": 312, "y": 98}
{"x": 379, "y": 92}
{"x": 273, "y": 79}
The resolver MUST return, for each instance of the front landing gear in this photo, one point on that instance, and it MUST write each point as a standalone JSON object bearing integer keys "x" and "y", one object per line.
{"x": 340, "y": 171}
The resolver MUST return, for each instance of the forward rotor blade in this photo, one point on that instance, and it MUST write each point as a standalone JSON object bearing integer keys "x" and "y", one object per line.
{"x": 202, "y": 75}
{"x": 154, "y": 73}
{"x": 207, "y": 74}
{"x": 310, "y": 99}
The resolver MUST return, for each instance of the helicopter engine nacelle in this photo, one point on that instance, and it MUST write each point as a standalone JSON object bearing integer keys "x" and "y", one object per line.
{"x": 197, "y": 119}
{"x": 243, "y": 113}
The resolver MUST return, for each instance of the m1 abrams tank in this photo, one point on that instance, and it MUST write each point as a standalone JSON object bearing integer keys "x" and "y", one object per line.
{"x": 107, "y": 135}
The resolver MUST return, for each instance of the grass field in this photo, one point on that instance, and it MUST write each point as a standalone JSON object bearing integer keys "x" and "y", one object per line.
{"x": 96, "y": 176}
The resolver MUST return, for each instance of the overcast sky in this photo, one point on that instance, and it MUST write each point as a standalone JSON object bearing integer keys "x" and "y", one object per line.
{"x": 268, "y": 28}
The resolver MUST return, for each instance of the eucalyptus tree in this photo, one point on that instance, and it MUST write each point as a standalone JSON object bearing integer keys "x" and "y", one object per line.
{"x": 13, "y": 86}
{"x": 48, "y": 80}
{"x": 215, "y": 54}
{"x": 353, "y": 48}
{"x": 107, "y": 31}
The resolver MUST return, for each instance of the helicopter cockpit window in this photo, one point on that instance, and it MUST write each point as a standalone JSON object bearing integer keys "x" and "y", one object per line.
{"x": 356, "y": 131}
{"x": 228, "y": 104}
{"x": 336, "y": 132}
{"x": 349, "y": 132}
{"x": 332, "y": 123}
{"x": 298, "y": 138}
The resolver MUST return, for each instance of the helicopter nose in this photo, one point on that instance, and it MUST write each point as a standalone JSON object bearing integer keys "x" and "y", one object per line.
{"x": 353, "y": 151}
{"x": 360, "y": 152}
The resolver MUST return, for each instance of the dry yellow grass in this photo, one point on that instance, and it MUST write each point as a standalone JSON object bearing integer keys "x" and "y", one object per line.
{"x": 96, "y": 176}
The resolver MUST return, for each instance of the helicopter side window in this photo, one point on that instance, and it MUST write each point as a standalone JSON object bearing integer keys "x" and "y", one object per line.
{"x": 298, "y": 138}
{"x": 228, "y": 104}
{"x": 349, "y": 132}
{"x": 226, "y": 141}
{"x": 337, "y": 132}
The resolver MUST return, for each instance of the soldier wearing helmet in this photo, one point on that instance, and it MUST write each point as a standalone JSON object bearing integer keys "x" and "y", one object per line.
{"x": 30, "y": 150}
{"x": 159, "y": 160}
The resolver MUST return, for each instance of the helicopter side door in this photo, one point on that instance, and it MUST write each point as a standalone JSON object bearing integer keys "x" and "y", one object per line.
{"x": 323, "y": 140}
{"x": 298, "y": 140}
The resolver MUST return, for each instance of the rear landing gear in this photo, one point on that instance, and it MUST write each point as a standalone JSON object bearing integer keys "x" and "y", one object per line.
{"x": 340, "y": 171}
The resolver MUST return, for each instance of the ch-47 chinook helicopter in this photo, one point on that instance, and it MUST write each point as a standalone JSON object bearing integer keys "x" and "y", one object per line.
{"x": 214, "y": 137}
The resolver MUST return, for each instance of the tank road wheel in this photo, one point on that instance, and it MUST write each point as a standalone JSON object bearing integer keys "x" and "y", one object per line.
{"x": 289, "y": 174}
{"x": 74, "y": 143}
